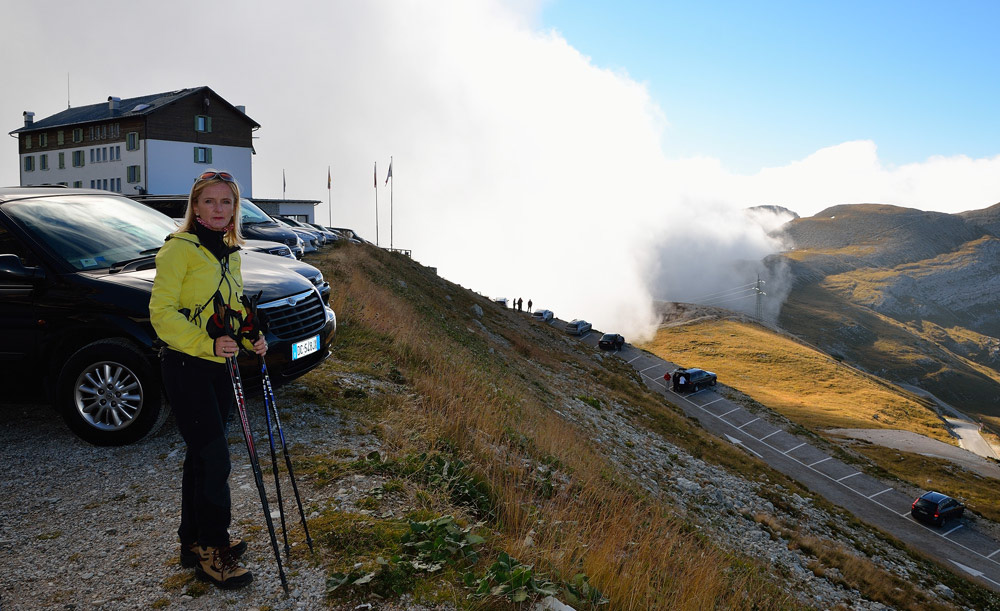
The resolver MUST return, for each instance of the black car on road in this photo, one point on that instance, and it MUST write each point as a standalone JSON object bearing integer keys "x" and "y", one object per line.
{"x": 935, "y": 508}
{"x": 76, "y": 274}
{"x": 691, "y": 380}
{"x": 611, "y": 341}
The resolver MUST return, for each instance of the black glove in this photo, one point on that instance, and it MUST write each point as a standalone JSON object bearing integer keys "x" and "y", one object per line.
{"x": 253, "y": 325}
{"x": 225, "y": 321}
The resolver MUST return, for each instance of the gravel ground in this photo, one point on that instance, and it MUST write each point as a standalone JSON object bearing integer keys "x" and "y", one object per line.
{"x": 83, "y": 527}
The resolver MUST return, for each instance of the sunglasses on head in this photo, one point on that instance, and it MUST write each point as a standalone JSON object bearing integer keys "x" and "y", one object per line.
{"x": 226, "y": 176}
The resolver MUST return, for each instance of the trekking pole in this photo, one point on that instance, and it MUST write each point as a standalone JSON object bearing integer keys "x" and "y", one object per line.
{"x": 274, "y": 466}
{"x": 234, "y": 373}
{"x": 284, "y": 449}
{"x": 224, "y": 317}
{"x": 254, "y": 331}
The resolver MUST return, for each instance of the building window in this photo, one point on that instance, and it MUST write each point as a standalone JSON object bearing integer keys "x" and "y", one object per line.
{"x": 90, "y": 136}
{"x": 43, "y": 162}
{"x": 118, "y": 185}
{"x": 43, "y": 140}
{"x": 104, "y": 132}
{"x": 78, "y": 134}
{"x": 132, "y": 141}
{"x": 62, "y": 161}
{"x": 133, "y": 174}
{"x": 27, "y": 141}
{"x": 202, "y": 123}
{"x": 91, "y": 155}
{"x": 29, "y": 164}
{"x": 104, "y": 154}
{"x": 105, "y": 186}
{"x": 77, "y": 159}
{"x": 77, "y": 184}
{"x": 202, "y": 154}
{"x": 60, "y": 137}
{"x": 93, "y": 184}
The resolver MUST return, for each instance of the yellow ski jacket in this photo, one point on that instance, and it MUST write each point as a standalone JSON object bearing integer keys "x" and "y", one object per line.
{"x": 187, "y": 278}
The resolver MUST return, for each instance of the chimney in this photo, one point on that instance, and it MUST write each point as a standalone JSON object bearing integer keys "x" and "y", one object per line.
{"x": 242, "y": 109}
{"x": 114, "y": 104}
{"x": 29, "y": 118}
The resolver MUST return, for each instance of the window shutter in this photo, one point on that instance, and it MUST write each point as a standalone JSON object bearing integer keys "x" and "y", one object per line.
{"x": 208, "y": 124}
{"x": 208, "y": 155}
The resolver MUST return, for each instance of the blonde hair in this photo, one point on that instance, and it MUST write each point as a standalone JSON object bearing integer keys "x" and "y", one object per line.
{"x": 233, "y": 237}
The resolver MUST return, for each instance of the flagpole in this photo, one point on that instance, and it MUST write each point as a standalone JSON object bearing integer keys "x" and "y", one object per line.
{"x": 329, "y": 195}
{"x": 391, "y": 182}
{"x": 375, "y": 182}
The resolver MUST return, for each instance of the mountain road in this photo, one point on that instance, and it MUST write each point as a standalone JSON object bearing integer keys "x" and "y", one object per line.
{"x": 959, "y": 545}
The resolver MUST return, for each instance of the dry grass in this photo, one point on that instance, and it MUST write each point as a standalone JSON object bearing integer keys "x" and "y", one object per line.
{"x": 805, "y": 385}
{"x": 487, "y": 407}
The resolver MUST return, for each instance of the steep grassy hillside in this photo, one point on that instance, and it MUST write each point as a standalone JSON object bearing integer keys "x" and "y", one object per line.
{"x": 513, "y": 462}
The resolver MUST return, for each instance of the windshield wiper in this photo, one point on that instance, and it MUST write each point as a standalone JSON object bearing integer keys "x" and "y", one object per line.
{"x": 118, "y": 266}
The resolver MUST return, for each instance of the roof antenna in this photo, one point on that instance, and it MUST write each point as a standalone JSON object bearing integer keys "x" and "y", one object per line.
{"x": 67, "y": 91}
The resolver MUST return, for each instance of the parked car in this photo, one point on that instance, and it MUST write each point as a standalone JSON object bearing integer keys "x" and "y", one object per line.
{"x": 350, "y": 235}
{"x": 309, "y": 239}
{"x": 76, "y": 273}
{"x": 578, "y": 327}
{"x": 500, "y": 301}
{"x": 269, "y": 247}
{"x": 611, "y": 341}
{"x": 691, "y": 380}
{"x": 330, "y": 235}
{"x": 309, "y": 272}
{"x": 935, "y": 508}
{"x": 255, "y": 224}
{"x": 543, "y": 315}
{"x": 297, "y": 224}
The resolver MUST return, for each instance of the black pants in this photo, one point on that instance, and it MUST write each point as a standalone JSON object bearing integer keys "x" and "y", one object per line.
{"x": 201, "y": 397}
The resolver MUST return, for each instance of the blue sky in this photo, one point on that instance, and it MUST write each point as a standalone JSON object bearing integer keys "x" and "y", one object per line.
{"x": 759, "y": 84}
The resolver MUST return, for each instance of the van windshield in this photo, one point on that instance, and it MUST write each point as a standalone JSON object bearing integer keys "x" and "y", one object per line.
{"x": 92, "y": 232}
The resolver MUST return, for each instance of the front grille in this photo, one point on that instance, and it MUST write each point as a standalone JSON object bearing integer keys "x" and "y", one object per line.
{"x": 287, "y": 320}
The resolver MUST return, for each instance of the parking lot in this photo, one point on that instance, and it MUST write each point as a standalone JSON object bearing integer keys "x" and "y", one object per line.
{"x": 966, "y": 546}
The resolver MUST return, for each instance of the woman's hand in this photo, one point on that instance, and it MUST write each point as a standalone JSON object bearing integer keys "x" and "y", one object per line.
{"x": 260, "y": 346}
{"x": 225, "y": 346}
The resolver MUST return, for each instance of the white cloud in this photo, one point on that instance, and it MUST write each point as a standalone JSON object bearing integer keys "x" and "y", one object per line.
{"x": 520, "y": 167}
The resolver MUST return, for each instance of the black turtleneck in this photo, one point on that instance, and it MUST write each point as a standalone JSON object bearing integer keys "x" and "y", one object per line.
{"x": 212, "y": 240}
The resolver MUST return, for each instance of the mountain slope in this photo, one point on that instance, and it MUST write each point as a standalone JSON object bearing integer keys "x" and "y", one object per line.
{"x": 559, "y": 456}
{"x": 905, "y": 294}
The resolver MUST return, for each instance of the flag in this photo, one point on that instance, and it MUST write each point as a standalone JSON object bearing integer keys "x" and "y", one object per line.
{"x": 389, "y": 175}
{"x": 329, "y": 178}
{"x": 376, "y": 175}
{"x": 283, "y": 182}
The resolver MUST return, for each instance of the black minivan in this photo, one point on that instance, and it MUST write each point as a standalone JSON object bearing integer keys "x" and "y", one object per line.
{"x": 76, "y": 273}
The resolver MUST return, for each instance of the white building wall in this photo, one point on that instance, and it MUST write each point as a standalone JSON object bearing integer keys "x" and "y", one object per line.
{"x": 173, "y": 169}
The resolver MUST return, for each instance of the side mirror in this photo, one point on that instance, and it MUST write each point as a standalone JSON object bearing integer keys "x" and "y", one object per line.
{"x": 12, "y": 271}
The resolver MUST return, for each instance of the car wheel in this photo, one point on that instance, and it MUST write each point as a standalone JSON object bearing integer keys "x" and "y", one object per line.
{"x": 109, "y": 394}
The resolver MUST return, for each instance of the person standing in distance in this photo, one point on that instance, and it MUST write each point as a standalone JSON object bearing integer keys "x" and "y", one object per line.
{"x": 197, "y": 262}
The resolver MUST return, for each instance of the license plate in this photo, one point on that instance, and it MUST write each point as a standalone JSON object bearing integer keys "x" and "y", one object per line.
{"x": 305, "y": 347}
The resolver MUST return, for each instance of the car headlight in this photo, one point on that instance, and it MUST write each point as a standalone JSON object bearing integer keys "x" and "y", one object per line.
{"x": 317, "y": 280}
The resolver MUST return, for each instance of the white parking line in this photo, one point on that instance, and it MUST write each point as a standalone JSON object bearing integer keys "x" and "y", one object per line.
{"x": 848, "y": 476}
{"x": 951, "y": 531}
{"x": 795, "y": 448}
{"x": 878, "y": 493}
{"x": 769, "y": 434}
{"x": 653, "y": 366}
{"x": 819, "y": 461}
{"x": 727, "y": 413}
{"x": 740, "y": 427}
{"x": 635, "y": 357}
{"x": 994, "y": 553}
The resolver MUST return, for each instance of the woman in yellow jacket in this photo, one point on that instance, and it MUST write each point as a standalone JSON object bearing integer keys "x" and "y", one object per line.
{"x": 197, "y": 262}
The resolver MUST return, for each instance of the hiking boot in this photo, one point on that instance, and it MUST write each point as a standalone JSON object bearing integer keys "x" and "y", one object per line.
{"x": 221, "y": 566}
{"x": 190, "y": 557}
